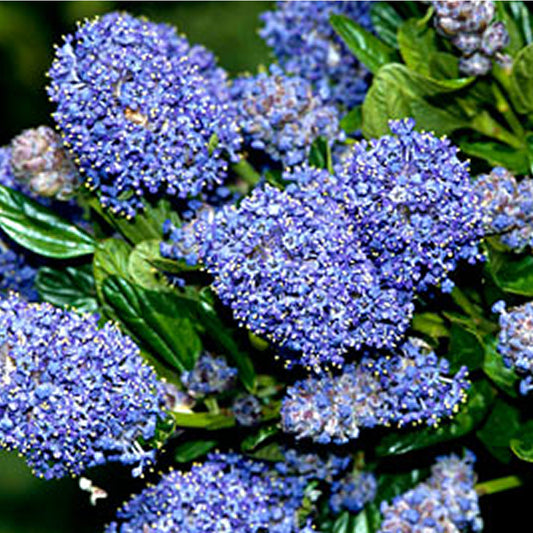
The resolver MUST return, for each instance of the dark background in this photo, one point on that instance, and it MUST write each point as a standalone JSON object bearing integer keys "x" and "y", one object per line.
{"x": 28, "y": 31}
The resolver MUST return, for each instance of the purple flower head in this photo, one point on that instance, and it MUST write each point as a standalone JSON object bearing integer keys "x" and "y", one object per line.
{"x": 507, "y": 206}
{"x": 446, "y": 503}
{"x": 210, "y": 375}
{"x": 140, "y": 111}
{"x": 290, "y": 265}
{"x": 283, "y": 116}
{"x": 410, "y": 387}
{"x": 413, "y": 206}
{"x": 306, "y": 45}
{"x": 515, "y": 341}
{"x": 247, "y": 410}
{"x": 42, "y": 165}
{"x": 353, "y": 492}
{"x": 227, "y": 493}
{"x": 72, "y": 396}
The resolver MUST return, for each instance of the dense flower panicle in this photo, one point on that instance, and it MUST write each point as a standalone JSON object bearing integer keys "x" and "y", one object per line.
{"x": 515, "y": 341}
{"x": 289, "y": 263}
{"x": 283, "y": 116}
{"x": 210, "y": 375}
{"x": 138, "y": 113}
{"x": 41, "y": 163}
{"x": 306, "y": 45}
{"x": 16, "y": 274}
{"x": 410, "y": 387}
{"x": 507, "y": 206}
{"x": 72, "y": 396}
{"x": 227, "y": 493}
{"x": 446, "y": 503}
{"x": 468, "y": 25}
{"x": 247, "y": 410}
{"x": 414, "y": 207}
{"x": 353, "y": 492}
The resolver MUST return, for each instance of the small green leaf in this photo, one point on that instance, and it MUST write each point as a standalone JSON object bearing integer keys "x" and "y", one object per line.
{"x": 352, "y": 121}
{"x": 430, "y": 324}
{"x": 495, "y": 369}
{"x": 39, "y": 229}
{"x": 385, "y": 21}
{"x": 193, "y": 449}
{"x": 480, "y": 398}
{"x": 498, "y": 154}
{"x": 210, "y": 421}
{"x": 392, "y": 485}
{"x": 68, "y": 287}
{"x": 522, "y": 444}
{"x": 320, "y": 155}
{"x": 368, "y": 48}
{"x": 522, "y": 80}
{"x": 500, "y": 427}
{"x": 155, "y": 320}
{"x": 142, "y": 267}
{"x": 251, "y": 442}
{"x": 417, "y": 42}
{"x": 511, "y": 272}
{"x": 465, "y": 349}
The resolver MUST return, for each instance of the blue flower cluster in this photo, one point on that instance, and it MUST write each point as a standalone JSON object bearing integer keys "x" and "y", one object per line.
{"x": 468, "y": 25}
{"x": 283, "y": 116}
{"x": 227, "y": 493}
{"x": 139, "y": 114}
{"x": 247, "y": 410}
{"x": 507, "y": 207}
{"x": 72, "y": 396}
{"x": 414, "y": 206}
{"x": 446, "y": 503}
{"x": 353, "y": 492}
{"x": 410, "y": 387}
{"x": 515, "y": 341}
{"x": 210, "y": 375}
{"x": 42, "y": 166}
{"x": 306, "y": 45}
{"x": 290, "y": 265}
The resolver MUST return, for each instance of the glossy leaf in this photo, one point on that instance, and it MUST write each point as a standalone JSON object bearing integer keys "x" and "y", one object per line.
{"x": 320, "y": 156}
{"x": 351, "y": 122}
{"x": 368, "y": 48}
{"x": 251, "y": 442}
{"x": 142, "y": 266}
{"x": 39, "y": 229}
{"x": 522, "y": 444}
{"x": 155, "y": 320}
{"x": 480, "y": 398}
{"x": 211, "y": 421}
{"x": 465, "y": 349}
{"x": 385, "y": 21}
{"x": 417, "y": 42}
{"x": 495, "y": 369}
{"x": 498, "y": 154}
{"x": 430, "y": 324}
{"x": 68, "y": 287}
{"x": 193, "y": 449}
{"x": 522, "y": 80}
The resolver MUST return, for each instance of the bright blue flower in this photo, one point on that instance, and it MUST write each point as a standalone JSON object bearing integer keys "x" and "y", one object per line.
{"x": 446, "y": 503}
{"x": 353, "y": 492}
{"x": 72, "y": 396}
{"x": 142, "y": 111}
{"x": 410, "y": 387}
{"x": 210, "y": 375}
{"x": 413, "y": 206}
{"x": 306, "y": 45}
{"x": 227, "y": 493}
{"x": 283, "y": 116}
{"x": 247, "y": 410}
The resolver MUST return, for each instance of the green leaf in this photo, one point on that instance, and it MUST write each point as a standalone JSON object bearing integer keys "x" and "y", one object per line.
{"x": 320, "y": 155}
{"x": 145, "y": 226}
{"x": 480, "y": 398}
{"x": 398, "y": 92}
{"x": 366, "y": 521}
{"x": 270, "y": 452}
{"x": 210, "y": 421}
{"x": 191, "y": 450}
{"x": 522, "y": 445}
{"x": 521, "y": 16}
{"x": 142, "y": 266}
{"x": 392, "y": 485}
{"x": 511, "y": 272}
{"x": 430, "y": 324}
{"x": 522, "y": 80}
{"x": 68, "y": 287}
{"x": 465, "y": 348}
{"x": 495, "y": 369}
{"x": 498, "y": 154}
{"x": 251, "y": 442}
{"x": 155, "y": 320}
{"x": 351, "y": 122}
{"x": 39, "y": 229}
{"x": 385, "y": 21}
{"x": 443, "y": 66}
{"x": 368, "y": 48}
{"x": 501, "y": 426}
{"x": 417, "y": 42}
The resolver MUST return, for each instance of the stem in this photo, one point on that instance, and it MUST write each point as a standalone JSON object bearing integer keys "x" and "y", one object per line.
{"x": 485, "y": 124}
{"x": 459, "y": 297}
{"x": 506, "y": 110}
{"x": 498, "y": 485}
{"x": 247, "y": 172}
